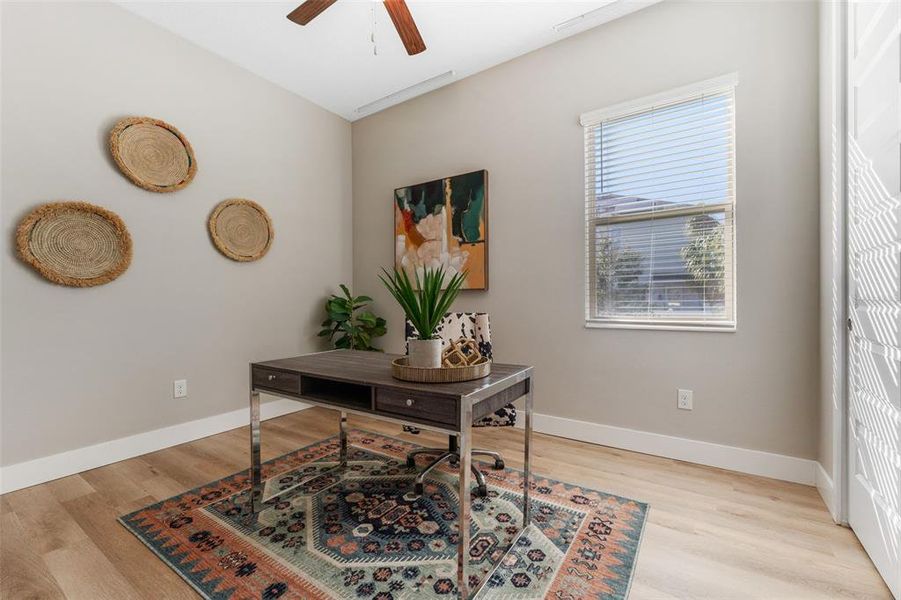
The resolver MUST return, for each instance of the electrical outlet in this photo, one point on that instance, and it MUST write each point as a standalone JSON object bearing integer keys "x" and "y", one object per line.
{"x": 684, "y": 399}
{"x": 180, "y": 388}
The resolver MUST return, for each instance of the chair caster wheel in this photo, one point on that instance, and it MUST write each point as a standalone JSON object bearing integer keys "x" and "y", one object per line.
{"x": 499, "y": 465}
{"x": 411, "y": 462}
{"x": 482, "y": 491}
{"x": 418, "y": 489}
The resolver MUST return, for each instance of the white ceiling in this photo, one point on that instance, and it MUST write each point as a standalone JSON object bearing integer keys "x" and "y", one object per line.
{"x": 331, "y": 60}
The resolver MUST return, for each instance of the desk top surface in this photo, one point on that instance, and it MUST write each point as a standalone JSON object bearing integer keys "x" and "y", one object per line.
{"x": 374, "y": 368}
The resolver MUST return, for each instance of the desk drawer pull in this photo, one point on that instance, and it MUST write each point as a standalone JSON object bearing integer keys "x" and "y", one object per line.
{"x": 418, "y": 407}
{"x": 276, "y": 380}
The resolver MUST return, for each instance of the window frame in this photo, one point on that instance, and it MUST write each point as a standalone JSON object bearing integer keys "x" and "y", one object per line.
{"x": 589, "y": 120}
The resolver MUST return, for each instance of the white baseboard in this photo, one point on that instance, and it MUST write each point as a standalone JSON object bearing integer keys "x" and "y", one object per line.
{"x": 47, "y": 468}
{"x": 743, "y": 460}
{"x": 827, "y": 490}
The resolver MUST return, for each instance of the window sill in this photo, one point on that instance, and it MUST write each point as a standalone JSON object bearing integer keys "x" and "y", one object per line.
{"x": 728, "y": 327}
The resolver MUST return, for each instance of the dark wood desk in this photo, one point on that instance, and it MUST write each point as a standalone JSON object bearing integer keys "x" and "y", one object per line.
{"x": 361, "y": 383}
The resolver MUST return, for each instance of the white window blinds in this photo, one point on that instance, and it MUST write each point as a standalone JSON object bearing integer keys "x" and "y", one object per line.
{"x": 660, "y": 210}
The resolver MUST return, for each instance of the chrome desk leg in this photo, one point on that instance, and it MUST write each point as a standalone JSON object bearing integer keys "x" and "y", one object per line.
{"x": 527, "y": 472}
{"x": 465, "y": 450}
{"x": 342, "y": 436}
{"x": 256, "y": 481}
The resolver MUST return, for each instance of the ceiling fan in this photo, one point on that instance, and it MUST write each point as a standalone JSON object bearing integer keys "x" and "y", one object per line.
{"x": 397, "y": 9}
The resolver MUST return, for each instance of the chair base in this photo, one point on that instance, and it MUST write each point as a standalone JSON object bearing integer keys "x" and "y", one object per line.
{"x": 451, "y": 455}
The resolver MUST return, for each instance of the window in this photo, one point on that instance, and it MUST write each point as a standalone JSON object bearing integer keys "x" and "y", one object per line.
{"x": 660, "y": 210}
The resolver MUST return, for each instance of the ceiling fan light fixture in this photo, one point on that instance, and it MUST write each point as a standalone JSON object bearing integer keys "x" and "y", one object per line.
{"x": 426, "y": 85}
{"x": 397, "y": 10}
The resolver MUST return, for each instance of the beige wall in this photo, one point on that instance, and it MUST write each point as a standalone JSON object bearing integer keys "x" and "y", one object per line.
{"x": 81, "y": 366}
{"x": 755, "y": 388}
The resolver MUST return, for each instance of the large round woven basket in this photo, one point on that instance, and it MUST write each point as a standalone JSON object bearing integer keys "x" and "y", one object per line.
{"x": 401, "y": 370}
{"x": 241, "y": 229}
{"x": 152, "y": 154}
{"x": 74, "y": 243}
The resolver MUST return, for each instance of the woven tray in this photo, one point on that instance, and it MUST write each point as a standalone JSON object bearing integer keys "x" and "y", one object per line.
{"x": 241, "y": 229}
{"x": 74, "y": 243}
{"x": 153, "y": 154}
{"x": 401, "y": 370}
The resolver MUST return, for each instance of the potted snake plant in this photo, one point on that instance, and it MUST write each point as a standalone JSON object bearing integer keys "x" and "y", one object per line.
{"x": 425, "y": 305}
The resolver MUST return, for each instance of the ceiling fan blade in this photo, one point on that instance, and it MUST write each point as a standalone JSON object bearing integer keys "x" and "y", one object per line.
{"x": 405, "y": 25}
{"x": 309, "y": 10}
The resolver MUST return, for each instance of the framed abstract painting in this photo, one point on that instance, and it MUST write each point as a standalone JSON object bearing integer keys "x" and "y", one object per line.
{"x": 444, "y": 223}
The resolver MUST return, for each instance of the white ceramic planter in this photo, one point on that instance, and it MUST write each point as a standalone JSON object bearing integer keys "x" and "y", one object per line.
{"x": 424, "y": 353}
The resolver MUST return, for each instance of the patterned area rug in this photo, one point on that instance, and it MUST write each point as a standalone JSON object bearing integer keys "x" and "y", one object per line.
{"x": 364, "y": 535}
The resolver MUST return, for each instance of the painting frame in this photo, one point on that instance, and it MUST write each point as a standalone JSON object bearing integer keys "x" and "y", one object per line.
{"x": 444, "y": 222}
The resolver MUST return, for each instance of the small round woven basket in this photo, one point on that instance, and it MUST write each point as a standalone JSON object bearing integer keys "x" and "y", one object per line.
{"x": 153, "y": 154}
{"x": 74, "y": 243}
{"x": 241, "y": 229}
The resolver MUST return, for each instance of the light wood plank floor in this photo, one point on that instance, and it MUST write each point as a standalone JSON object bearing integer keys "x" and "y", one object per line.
{"x": 710, "y": 534}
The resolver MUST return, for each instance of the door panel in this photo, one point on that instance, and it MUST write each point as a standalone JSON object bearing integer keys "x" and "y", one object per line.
{"x": 877, "y": 321}
{"x": 873, "y": 230}
{"x": 879, "y": 274}
{"x": 874, "y": 282}
{"x": 875, "y": 440}
{"x": 872, "y": 372}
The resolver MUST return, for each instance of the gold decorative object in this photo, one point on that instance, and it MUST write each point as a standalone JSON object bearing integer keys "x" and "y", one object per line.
{"x": 74, "y": 243}
{"x": 241, "y": 229}
{"x": 461, "y": 353}
{"x": 153, "y": 154}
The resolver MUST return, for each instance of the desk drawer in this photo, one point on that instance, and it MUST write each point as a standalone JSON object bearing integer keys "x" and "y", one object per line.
{"x": 276, "y": 380}
{"x": 418, "y": 407}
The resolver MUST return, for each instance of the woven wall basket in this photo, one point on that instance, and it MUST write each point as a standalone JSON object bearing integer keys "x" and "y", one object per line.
{"x": 241, "y": 229}
{"x": 153, "y": 154}
{"x": 74, "y": 243}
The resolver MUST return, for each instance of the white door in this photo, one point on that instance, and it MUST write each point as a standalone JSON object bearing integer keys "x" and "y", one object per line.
{"x": 874, "y": 281}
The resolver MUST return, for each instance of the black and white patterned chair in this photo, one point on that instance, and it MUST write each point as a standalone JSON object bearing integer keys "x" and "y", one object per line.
{"x": 454, "y": 326}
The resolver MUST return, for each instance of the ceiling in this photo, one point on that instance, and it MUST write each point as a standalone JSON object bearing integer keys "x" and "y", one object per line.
{"x": 331, "y": 61}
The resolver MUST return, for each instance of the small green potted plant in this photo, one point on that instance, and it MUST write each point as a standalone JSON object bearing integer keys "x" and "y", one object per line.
{"x": 424, "y": 305}
{"x": 349, "y": 324}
